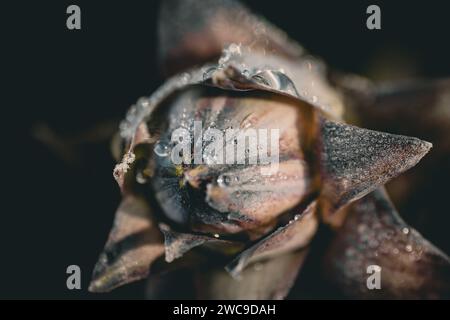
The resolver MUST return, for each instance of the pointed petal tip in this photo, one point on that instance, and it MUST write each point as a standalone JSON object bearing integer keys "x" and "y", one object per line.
{"x": 96, "y": 287}
{"x": 108, "y": 278}
{"x": 355, "y": 161}
{"x": 415, "y": 151}
{"x": 104, "y": 285}
{"x": 100, "y": 284}
{"x": 104, "y": 278}
{"x": 427, "y": 146}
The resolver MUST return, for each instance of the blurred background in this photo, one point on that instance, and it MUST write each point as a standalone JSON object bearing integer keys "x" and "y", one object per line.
{"x": 75, "y": 86}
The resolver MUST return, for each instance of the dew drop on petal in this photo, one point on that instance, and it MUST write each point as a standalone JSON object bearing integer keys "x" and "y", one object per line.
{"x": 141, "y": 178}
{"x": 208, "y": 73}
{"x": 223, "y": 180}
{"x": 257, "y": 267}
{"x": 161, "y": 149}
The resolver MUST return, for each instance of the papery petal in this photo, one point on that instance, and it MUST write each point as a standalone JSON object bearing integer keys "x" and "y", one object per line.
{"x": 133, "y": 245}
{"x": 374, "y": 234}
{"x": 355, "y": 161}
{"x": 266, "y": 279}
{"x": 254, "y": 200}
{"x": 193, "y": 32}
{"x": 294, "y": 235}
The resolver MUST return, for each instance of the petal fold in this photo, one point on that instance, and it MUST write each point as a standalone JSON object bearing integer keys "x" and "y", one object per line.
{"x": 374, "y": 234}
{"x": 133, "y": 245}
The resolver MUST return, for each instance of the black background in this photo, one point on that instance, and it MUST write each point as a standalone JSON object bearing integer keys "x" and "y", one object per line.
{"x": 55, "y": 214}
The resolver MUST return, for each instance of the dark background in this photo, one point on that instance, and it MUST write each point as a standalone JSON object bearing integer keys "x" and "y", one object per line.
{"x": 58, "y": 212}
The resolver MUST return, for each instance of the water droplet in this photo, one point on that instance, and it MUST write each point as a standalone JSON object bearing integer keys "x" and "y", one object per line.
{"x": 216, "y": 235}
{"x": 161, "y": 149}
{"x": 314, "y": 99}
{"x": 131, "y": 114}
{"x": 234, "y": 48}
{"x": 223, "y": 180}
{"x": 141, "y": 178}
{"x": 258, "y": 267}
{"x": 409, "y": 248}
{"x": 405, "y": 230}
{"x": 296, "y": 217}
{"x": 208, "y": 73}
{"x": 143, "y": 102}
{"x": 395, "y": 251}
{"x": 130, "y": 157}
{"x": 185, "y": 77}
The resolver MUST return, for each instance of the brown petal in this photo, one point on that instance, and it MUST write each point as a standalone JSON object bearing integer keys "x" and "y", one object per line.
{"x": 193, "y": 32}
{"x": 177, "y": 244}
{"x": 355, "y": 161}
{"x": 255, "y": 200}
{"x": 296, "y": 234}
{"x": 267, "y": 279}
{"x": 125, "y": 171}
{"x": 374, "y": 234}
{"x": 133, "y": 245}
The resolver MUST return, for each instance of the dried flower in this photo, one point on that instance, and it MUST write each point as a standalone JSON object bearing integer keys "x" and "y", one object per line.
{"x": 258, "y": 226}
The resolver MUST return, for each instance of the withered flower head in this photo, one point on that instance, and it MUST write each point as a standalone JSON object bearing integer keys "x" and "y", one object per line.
{"x": 251, "y": 231}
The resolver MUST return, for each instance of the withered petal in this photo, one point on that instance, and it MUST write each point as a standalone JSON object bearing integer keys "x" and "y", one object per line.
{"x": 125, "y": 171}
{"x": 132, "y": 246}
{"x": 374, "y": 234}
{"x": 260, "y": 199}
{"x": 302, "y": 82}
{"x": 294, "y": 235}
{"x": 193, "y": 32}
{"x": 355, "y": 161}
{"x": 177, "y": 243}
{"x": 422, "y": 105}
{"x": 266, "y": 279}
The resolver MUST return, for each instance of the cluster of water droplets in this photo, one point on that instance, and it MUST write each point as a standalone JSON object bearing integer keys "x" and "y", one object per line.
{"x": 267, "y": 71}
{"x": 225, "y": 180}
{"x": 144, "y": 107}
{"x": 161, "y": 149}
{"x": 296, "y": 218}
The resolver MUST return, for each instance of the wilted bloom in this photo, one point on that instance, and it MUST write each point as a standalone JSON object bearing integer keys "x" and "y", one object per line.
{"x": 234, "y": 228}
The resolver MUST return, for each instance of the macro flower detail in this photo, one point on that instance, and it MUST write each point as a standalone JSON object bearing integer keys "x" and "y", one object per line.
{"x": 228, "y": 230}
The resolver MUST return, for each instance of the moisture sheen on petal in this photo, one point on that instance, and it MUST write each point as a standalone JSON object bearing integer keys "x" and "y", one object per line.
{"x": 355, "y": 161}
